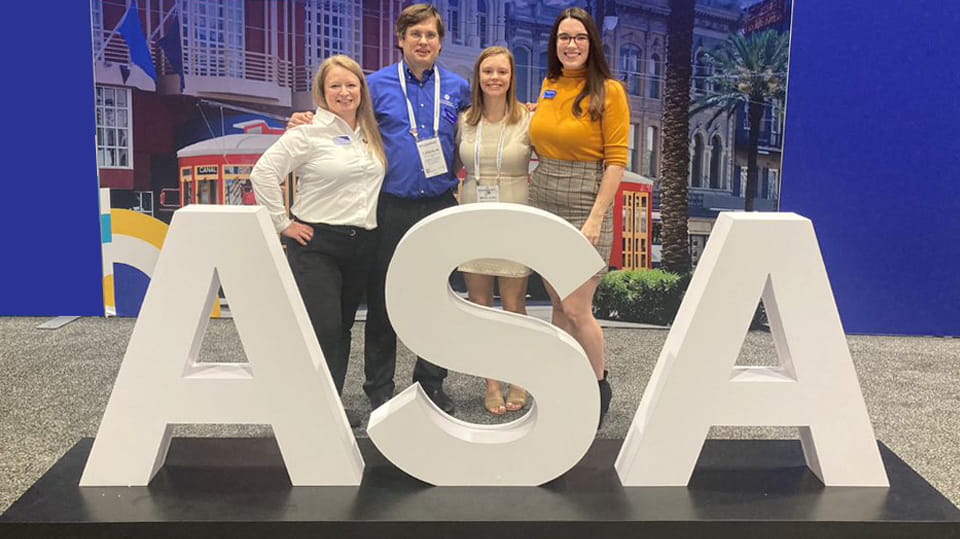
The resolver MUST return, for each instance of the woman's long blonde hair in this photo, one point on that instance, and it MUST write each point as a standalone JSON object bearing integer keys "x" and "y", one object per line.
{"x": 365, "y": 117}
{"x": 514, "y": 110}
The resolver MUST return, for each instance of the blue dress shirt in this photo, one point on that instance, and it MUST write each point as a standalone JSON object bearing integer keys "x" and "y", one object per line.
{"x": 404, "y": 177}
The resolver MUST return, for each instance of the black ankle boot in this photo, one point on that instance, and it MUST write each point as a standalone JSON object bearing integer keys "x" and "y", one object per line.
{"x": 606, "y": 395}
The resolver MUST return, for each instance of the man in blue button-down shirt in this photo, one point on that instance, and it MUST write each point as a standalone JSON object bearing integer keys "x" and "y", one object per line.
{"x": 408, "y": 195}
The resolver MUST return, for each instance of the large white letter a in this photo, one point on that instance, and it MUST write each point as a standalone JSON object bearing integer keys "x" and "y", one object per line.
{"x": 285, "y": 383}
{"x": 696, "y": 383}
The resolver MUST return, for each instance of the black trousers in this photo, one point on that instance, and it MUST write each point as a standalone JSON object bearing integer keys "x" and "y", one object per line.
{"x": 331, "y": 272}
{"x": 395, "y": 216}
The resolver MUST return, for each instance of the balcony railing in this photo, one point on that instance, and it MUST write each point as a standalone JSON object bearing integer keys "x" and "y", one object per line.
{"x": 768, "y": 138}
{"x": 111, "y": 48}
{"x": 247, "y": 65}
{"x": 302, "y": 78}
{"x": 707, "y": 202}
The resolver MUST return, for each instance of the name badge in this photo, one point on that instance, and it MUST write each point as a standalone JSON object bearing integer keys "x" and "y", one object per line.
{"x": 431, "y": 157}
{"x": 342, "y": 140}
{"x": 488, "y": 193}
{"x": 549, "y": 94}
{"x": 450, "y": 115}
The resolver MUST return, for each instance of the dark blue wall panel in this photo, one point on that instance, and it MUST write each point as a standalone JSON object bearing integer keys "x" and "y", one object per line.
{"x": 49, "y": 224}
{"x": 872, "y": 156}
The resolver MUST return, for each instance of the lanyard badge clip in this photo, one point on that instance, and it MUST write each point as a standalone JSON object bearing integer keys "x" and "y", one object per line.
{"x": 431, "y": 152}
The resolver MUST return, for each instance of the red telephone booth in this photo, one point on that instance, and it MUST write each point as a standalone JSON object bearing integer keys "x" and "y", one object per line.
{"x": 632, "y": 223}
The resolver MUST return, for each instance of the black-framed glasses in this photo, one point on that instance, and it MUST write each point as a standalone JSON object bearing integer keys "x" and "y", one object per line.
{"x": 567, "y": 38}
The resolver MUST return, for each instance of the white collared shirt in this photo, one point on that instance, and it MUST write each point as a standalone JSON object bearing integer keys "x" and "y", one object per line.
{"x": 340, "y": 175}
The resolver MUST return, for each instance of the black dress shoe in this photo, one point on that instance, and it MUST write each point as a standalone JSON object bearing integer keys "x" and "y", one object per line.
{"x": 354, "y": 417}
{"x": 377, "y": 401}
{"x": 440, "y": 398}
{"x": 606, "y": 395}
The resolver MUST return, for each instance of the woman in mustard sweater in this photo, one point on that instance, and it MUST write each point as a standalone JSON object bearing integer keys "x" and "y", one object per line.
{"x": 580, "y": 132}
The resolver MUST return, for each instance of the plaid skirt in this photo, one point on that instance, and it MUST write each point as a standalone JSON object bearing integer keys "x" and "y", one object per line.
{"x": 568, "y": 189}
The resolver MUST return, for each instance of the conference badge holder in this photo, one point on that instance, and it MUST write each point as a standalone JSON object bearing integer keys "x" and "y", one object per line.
{"x": 488, "y": 193}
{"x": 431, "y": 157}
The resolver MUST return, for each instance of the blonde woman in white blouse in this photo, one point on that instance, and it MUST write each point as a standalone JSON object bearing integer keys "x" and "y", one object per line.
{"x": 340, "y": 161}
{"x": 494, "y": 146}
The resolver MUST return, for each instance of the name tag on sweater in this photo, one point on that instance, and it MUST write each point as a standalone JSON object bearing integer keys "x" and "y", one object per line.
{"x": 342, "y": 140}
{"x": 549, "y": 94}
{"x": 488, "y": 193}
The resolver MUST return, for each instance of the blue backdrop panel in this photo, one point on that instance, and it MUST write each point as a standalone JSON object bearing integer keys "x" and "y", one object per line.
{"x": 872, "y": 156}
{"x": 131, "y": 288}
{"x": 50, "y": 223}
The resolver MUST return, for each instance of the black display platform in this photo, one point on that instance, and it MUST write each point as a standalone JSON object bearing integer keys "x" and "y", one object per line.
{"x": 239, "y": 488}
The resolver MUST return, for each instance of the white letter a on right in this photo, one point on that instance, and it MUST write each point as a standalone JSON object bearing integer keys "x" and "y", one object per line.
{"x": 696, "y": 383}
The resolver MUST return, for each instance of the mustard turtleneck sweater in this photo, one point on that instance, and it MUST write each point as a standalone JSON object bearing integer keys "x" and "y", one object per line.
{"x": 556, "y": 133}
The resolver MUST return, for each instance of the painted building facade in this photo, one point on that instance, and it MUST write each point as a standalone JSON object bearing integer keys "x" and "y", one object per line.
{"x": 254, "y": 59}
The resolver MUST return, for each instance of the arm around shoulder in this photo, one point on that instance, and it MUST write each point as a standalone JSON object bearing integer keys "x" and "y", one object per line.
{"x": 300, "y": 118}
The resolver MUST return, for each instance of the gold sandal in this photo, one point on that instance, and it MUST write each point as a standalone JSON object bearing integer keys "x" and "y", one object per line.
{"x": 516, "y": 398}
{"x": 493, "y": 402}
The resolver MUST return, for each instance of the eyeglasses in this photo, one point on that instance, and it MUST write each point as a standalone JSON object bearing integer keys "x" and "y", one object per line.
{"x": 417, "y": 36}
{"x": 563, "y": 39}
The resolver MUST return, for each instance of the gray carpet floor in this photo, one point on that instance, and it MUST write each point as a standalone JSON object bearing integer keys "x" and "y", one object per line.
{"x": 54, "y": 385}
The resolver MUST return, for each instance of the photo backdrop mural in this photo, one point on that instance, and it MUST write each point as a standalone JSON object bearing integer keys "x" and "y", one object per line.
{"x": 189, "y": 93}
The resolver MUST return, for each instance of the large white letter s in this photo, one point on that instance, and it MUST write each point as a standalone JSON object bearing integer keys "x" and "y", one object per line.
{"x": 449, "y": 331}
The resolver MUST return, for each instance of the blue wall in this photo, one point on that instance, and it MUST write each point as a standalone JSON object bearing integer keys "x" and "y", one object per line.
{"x": 49, "y": 224}
{"x": 872, "y": 156}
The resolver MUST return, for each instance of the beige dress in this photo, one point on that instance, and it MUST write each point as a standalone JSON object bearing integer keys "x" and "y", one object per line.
{"x": 512, "y": 179}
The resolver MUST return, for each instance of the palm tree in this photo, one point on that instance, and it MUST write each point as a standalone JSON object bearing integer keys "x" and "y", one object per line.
{"x": 676, "y": 132}
{"x": 749, "y": 71}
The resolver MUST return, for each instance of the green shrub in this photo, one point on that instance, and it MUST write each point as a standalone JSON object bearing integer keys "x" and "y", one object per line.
{"x": 648, "y": 296}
